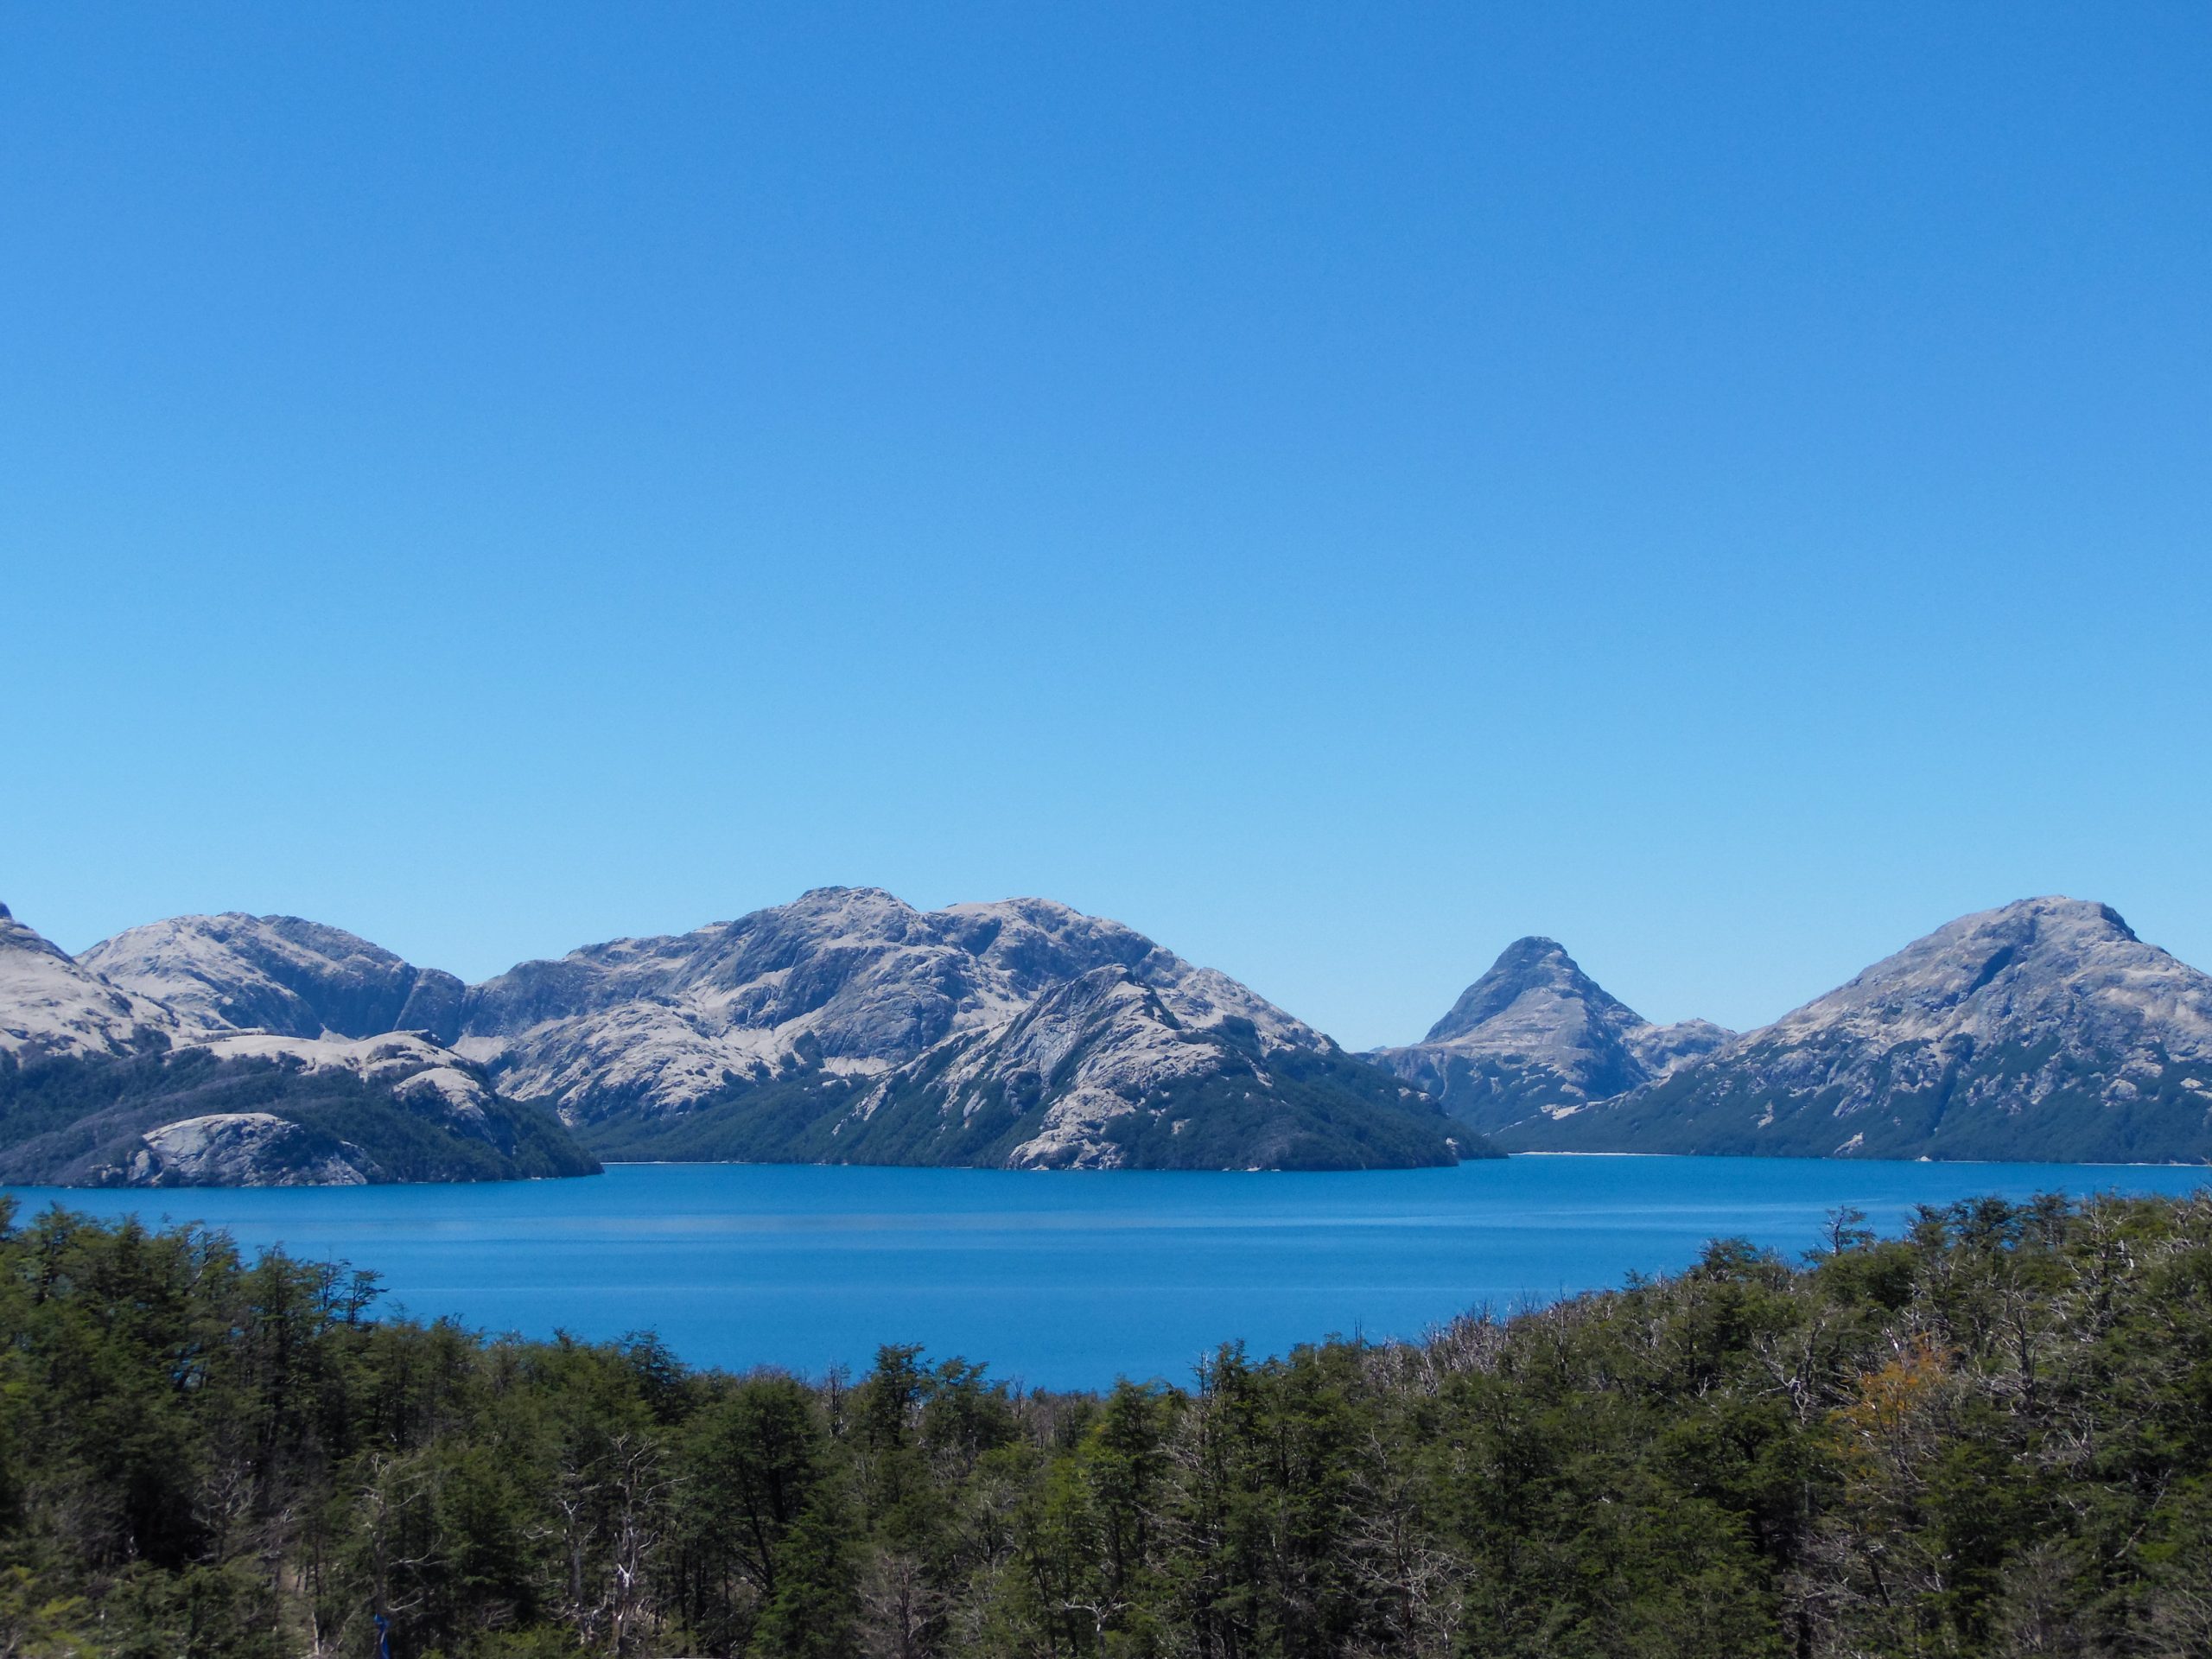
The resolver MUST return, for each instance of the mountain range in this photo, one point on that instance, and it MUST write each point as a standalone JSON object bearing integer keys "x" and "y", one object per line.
{"x": 2044, "y": 1030}
{"x": 847, "y": 1027}
{"x": 103, "y": 1085}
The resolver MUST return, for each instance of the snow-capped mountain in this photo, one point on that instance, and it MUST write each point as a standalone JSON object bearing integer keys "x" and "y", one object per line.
{"x": 848, "y": 1012}
{"x": 1534, "y": 1032}
{"x": 105, "y": 1081}
{"x": 2045, "y": 1029}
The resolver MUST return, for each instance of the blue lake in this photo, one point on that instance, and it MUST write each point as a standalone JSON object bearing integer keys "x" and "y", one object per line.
{"x": 1060, "y": 1280}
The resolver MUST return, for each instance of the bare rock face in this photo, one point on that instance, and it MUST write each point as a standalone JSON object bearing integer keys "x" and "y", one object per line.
{"x": 849, "y": 1026}
{"x": 2045, "y": 1029}
{"x": 242, "y": 1149}
{"x": 278, "y": 974}
{"x": 406, "y": 1063}
{"x": 1064, "y": 1075}
{"x": 52, "y": 1005}
{"x": 1537, "y": 1032}
{"x": 851, "y": 978}
{"x": 761, "y": 1037}
{"x": 105, "y": 1084}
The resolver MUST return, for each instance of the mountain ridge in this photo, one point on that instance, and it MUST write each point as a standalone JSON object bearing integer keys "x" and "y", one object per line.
{"x": 2043, "y": 1028}
{"x": 847, "y": 1026}
{"x": 279, "y": 974}
{"x": 1535, "y": 1031}
{"x": 822, "y": 1029}
{"x": 820, "y": 1014}
{"x": 102, "y": 1084}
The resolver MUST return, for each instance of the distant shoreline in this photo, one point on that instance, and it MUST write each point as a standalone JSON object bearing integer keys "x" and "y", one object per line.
{"x": 1992, "y": 1163}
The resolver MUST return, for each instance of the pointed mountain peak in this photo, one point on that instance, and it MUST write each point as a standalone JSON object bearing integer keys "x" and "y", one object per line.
{"x": 1536, "y": 1030}
{"x": 21, "y": 936}
{"x": 2041, "y": 1029}
{"x": 1535, "y": 965}
{"x": 1533, "y": 954}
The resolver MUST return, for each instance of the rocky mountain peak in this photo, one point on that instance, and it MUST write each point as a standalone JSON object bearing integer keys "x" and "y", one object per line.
{"x": 854, "y": 977}
{"x": 1532, "y": 968}
{"x": 2041, "y": 1029}
{"x": 2020, "y": 972}
{"x": 52, "y": 1004}
{"x": 848, "y": 1026}
{"x": 1535, "y": 1032}
{"x": 15, "y": 936}
{"x": 279, "y": 974}
{"x": 873, "y": 907}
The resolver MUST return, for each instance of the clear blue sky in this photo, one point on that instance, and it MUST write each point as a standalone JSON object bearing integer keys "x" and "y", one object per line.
{"x": 1335, "y": 487}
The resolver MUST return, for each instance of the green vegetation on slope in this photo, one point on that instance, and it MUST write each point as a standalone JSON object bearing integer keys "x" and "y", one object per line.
{"x": 2009, "y": 1102}
{"x": 1489, "y": 1094}
{"x": 64, "y": 1119}
{"x": 1991, "y": 1437}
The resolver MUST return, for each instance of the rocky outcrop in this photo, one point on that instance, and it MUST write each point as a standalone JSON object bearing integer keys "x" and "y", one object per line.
{"x": 240, "y": 1149}
{"x": 1065, "y": 1074}
{"x": 405, "y": 1064}
{"x": 50, "y": 1004}
{"x": 848, "y": 1026}
{"x": 1102, "y": 1073}
{"x": 102, "y": 1084}
{"x": 2044, "y": 1030}
{"x": 278, "y": 974}
{"x": 851, "y": 978}
{"x": 1535, "y": 1032}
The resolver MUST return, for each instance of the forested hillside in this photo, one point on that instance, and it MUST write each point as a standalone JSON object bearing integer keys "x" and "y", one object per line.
{"x": 1993, "y": 1436}
{"x": 194, "y": 1117}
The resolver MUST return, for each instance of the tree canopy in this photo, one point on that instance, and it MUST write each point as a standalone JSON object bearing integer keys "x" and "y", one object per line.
{"x": 1990, "y": 1436}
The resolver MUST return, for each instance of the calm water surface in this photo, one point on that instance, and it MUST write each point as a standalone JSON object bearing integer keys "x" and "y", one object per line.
{"x": 1062, "y": 1280}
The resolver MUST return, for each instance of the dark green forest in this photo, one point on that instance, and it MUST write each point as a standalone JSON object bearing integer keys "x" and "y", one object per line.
{"x": 1971, "y": 1109}
{"x": 1991, "y": 1436}
{"x": 76, "y": 1120}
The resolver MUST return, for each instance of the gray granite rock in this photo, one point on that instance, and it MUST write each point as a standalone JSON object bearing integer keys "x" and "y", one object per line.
{"x": 1535, "y": 1032}
{"x": 2045, "y": 1029}
{"x": 242, "y": 1149}
{"x": 101, "y": 1078}
{"x": 278, "y": 974}
{"x": 850, "y": 978}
